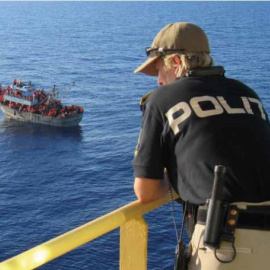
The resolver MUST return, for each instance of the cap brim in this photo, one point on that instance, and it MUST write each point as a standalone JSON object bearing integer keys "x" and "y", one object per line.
{"x": 148, "y": 67}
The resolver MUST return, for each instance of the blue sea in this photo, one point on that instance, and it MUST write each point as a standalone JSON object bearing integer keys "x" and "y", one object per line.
{"x": 53, "y": 180}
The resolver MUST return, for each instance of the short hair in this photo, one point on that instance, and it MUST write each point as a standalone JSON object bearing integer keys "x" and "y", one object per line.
{"x": 189, "y": 61}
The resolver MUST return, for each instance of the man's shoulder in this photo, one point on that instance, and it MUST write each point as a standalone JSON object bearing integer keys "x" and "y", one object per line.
{"x": 144, "y": 98}
{"x": 240, "y": 86}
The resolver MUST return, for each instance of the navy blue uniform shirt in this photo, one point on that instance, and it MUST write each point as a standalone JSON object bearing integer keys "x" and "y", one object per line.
{"x": 195, "y": 123}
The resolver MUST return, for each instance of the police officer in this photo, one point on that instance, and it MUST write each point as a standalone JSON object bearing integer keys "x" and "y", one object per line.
{"x": 198, "y": 118}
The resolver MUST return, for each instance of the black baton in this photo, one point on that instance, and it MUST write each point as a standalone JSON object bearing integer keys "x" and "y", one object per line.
{"x": 213, "y": 225}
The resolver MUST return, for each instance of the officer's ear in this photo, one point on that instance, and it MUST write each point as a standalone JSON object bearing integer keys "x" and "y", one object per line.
{"x": 176, "y": 62}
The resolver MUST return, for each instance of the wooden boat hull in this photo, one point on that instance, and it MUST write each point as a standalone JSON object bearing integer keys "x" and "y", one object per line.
{"x": 68, "y": 121}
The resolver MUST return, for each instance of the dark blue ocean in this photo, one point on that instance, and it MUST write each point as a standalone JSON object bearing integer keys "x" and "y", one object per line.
{"x": 53, "y": 180}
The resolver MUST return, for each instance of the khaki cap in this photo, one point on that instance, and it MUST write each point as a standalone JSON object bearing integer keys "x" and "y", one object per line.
{"x": 182, "y": 37}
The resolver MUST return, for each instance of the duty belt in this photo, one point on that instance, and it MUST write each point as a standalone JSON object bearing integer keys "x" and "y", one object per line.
{"x": 252, "y": 218}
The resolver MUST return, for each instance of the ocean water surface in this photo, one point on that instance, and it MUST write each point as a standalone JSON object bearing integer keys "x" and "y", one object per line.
{"x": 53, "y": 180}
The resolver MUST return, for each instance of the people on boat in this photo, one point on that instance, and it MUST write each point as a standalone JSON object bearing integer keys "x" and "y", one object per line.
{"x": 44, "y": 106}
{"x": 196, "y": 119}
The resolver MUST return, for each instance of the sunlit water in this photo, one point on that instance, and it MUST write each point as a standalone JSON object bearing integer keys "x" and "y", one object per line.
{"x": 53, "y": 179}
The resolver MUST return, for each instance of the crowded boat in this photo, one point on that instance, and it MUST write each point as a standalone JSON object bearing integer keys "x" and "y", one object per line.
{"x": 19, "y": 99}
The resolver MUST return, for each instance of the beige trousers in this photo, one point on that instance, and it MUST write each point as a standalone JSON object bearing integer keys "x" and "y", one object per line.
{"x": 252, "y": 251}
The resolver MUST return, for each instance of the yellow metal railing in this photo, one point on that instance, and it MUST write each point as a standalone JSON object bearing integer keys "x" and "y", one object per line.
{"x": 133, "y": 239}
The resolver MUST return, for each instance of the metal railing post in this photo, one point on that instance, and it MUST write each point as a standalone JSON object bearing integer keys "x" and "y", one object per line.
{"x": 133, "y": 245}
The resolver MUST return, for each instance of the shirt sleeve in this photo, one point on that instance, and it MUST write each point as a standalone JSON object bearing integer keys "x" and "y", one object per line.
{"x": 148, "y": 160}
